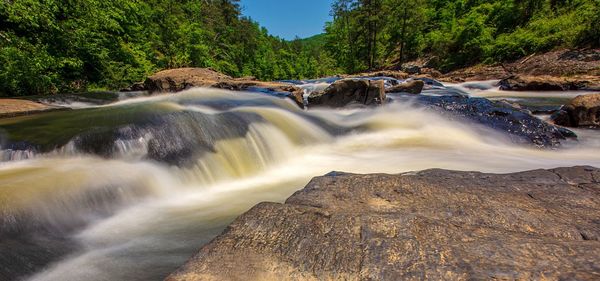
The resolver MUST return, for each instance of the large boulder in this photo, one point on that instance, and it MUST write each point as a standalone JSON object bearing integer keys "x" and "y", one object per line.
{"x": 582, "y": 111}
{"x": 430, "y": 225}
{"x": 540, "y": 83}
{"x": 175, "y": 80}
{"x": 349, "y": 91}
{"x": 411, "y": 87}
{"x": 517, "y": 124}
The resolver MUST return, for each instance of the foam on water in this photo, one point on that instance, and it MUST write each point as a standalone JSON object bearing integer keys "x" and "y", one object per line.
{"x": 157, "y": 215}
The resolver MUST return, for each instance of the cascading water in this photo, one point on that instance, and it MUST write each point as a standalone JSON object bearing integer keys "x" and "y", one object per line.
{"x": 130, "y": 190}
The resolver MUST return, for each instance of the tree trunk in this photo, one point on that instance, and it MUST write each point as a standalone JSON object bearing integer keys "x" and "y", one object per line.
{"x": 403, "y": 36}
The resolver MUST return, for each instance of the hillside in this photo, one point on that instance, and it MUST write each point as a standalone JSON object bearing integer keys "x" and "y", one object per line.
{"x": 457, "y": 33}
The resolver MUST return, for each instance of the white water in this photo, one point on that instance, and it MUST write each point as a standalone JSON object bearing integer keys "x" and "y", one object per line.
{"x": 490, "y": 90}
{"x": 165, "y": 213}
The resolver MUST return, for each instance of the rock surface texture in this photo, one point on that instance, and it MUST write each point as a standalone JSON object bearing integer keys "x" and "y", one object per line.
{"x": 349, "y": 91}
{"x": 430, "y": 225}
{"x": 582, "y": 111}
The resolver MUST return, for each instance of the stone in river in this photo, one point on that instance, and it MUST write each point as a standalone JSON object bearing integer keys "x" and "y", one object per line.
{"x": 429, "y": 225}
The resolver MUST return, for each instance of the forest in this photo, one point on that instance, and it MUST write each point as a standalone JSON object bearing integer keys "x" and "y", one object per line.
{"x": 50, "y": 46}
{"x": 372, "y": 34}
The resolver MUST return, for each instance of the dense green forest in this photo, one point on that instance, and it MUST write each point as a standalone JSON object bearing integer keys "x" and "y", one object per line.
{"x": 370, "y": 34}
{"x": 50, "y": 46}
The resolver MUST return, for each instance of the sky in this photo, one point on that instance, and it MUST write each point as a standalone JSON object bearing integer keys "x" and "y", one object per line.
{"x": 289, "y": 18}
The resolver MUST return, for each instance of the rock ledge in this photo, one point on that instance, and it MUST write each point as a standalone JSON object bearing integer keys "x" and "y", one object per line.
{"x": 434, "y": 225}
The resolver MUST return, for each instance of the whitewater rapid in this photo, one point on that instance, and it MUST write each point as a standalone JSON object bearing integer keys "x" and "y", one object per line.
{"x": 131, "y": 217}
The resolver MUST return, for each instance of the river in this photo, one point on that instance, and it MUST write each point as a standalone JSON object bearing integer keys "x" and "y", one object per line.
{"x": 131, "y": 190}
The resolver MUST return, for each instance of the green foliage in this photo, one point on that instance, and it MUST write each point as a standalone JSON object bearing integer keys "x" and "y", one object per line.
{"x": 457, "y": 32}
{"x": 49, "y": 46}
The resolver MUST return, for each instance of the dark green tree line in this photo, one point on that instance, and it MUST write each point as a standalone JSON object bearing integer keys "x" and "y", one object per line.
{"x": 370, "y": 34}
{"x": 50, "y": 46}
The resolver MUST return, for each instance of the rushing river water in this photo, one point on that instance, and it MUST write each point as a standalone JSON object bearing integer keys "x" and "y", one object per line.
{"x": 181, "y": 167}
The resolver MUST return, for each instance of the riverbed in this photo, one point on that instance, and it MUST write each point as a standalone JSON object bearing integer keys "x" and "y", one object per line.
{"x": 183, "y": 166}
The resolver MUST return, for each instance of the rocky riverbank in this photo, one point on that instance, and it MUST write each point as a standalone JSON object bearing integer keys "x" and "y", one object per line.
{"x": 434, "y": 224}
{"x": 559, "y": 70}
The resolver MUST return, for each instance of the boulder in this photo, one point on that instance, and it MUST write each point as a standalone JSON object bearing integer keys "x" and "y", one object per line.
{"x": 430, "y": 225}
{"x": 518, "y": 124}
{"x": 411, "y": 87}
{"x": 540, "y": 83}
{"x": 348, "y": 91}
{"x": 411, "y": 68}
{"x": 582, "y": 111}
{"x": 430, "y": 72}
{"x": 18, "y": 107}
{"x": 135, "y": 87}
{"x": 429, "y": 81}
{"x": 174, "y": 80}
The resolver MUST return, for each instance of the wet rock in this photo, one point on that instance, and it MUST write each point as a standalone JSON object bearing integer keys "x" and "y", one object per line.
{"x": 349, "y": 91}
{"x": 561, "y": 118}
{"x": 518, "y": 124}
{"x": 430, "y": 82}
{"x": 135, "y": 87}
{"x": 172, "y": 137}
{"x": 582, "y": 111}
{"x": 34, "y": 253}
{"x": 411, "y": 69}
{"x": 540, "y": 83}
{"x": 434, "y": 224}
{"x": 412, "y": 87}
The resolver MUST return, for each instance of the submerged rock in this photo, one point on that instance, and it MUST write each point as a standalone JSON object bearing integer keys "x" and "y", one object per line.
{"x": 518, "y": 124}
{"x": 412, "y": 87}
{"x": 582, "y": 111}
{"x": 435, "y": 224}
{"x": 153, "y": 132}
{"x": 348, "y": 91}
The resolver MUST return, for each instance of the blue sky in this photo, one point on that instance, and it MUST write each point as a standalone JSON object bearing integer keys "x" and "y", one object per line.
{"x": 288, "y": 18}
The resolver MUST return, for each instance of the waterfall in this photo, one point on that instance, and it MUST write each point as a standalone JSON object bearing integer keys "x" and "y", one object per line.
{"x": 131, "y": 189}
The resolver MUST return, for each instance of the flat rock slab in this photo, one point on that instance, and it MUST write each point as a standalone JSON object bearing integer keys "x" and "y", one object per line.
{"x": 175, "y": 80}
{"x": 16, "y": 107}
{"x": 430, "y": 225}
